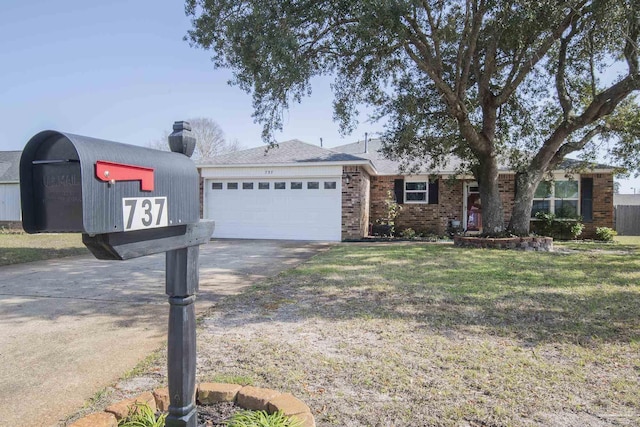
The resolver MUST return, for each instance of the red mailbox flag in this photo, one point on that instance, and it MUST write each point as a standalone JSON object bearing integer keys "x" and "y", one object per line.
{"x": 111, "y": 172}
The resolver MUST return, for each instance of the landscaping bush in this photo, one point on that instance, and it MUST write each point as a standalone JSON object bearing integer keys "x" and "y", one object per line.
{"x": 605, "y": 234}
{"x": 558, "y": 228}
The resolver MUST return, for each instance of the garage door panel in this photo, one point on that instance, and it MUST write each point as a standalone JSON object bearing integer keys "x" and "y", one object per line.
{"x": 298, "y": 214}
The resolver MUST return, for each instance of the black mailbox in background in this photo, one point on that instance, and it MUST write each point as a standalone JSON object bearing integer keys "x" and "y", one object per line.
{"x": 73, "y": 183}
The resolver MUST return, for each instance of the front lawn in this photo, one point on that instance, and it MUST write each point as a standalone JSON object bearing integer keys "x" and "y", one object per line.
{"x": 419, "y": 334}
{"x": 17, "y": 247}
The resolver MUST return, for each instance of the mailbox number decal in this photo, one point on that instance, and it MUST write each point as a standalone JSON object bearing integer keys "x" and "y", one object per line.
{"x": 144, "y": 212}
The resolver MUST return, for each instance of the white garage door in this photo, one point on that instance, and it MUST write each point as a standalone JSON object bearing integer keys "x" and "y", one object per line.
{"x": 296, "y": 209}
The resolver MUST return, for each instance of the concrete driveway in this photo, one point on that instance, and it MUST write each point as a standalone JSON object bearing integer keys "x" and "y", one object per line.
{"x": 72, "y": 326}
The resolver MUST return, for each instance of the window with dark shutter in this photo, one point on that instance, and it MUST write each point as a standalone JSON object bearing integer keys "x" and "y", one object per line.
{"x": 398, "y": 190}
{"x": 586, "y": 199}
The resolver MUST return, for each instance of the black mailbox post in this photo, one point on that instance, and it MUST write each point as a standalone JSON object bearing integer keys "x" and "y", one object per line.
{"x": 128, "y": 202}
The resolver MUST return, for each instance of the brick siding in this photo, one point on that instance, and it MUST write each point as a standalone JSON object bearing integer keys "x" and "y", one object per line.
{"x": 507, "y": 188}
{"x": 602, "y": 204}
{"x": 422, "y": 217}
{"x": 428, "y": 218}
{"x": 355, "y": 203}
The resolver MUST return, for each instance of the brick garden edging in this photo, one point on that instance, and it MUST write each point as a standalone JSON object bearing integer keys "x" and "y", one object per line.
{"x": 542, "y": 244}
{"x": 246, "y": 397}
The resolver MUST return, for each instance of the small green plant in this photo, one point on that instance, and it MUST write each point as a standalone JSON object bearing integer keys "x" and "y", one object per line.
{"x": 576, "y": 229}
{"x": 261, "y": 419}
{"x": 605, "y": 234}
{"x": 408, "y": 233}
{"x": 391, "y": 211}
{"x": 141, "y": 415}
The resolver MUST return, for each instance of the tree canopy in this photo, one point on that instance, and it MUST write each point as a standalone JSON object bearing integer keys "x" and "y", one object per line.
{"x": 526, "y": 82}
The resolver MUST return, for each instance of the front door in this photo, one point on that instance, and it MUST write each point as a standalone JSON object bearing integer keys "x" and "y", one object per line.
{"x": 473, "y": 208}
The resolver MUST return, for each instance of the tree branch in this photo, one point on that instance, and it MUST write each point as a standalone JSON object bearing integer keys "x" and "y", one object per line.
{"x": 631, "y": 45}
{"x": 434, "y": 32}
{"x": 573, "y": 146}
{"x": 538, "y": 54}
{"x": 466, "y": 61}
{"x": 456, "y": 108}
{"x": 602, "y": 105}
{"x": 416, "y": 35}
{"x": 561, "y": 88}
{"x": 331, "y": 27}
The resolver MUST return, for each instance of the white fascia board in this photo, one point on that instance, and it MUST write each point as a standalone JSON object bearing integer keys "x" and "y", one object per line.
{"x": 365, "y": 163}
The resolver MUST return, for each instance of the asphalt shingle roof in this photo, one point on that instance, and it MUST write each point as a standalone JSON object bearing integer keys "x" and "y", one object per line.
{"x": 10, "y": 166}
{"x": 386, "y": 166}
{"x": 287, "y": 152}
{"x": 298, "y": 152}
{"x": 383, "y": 165}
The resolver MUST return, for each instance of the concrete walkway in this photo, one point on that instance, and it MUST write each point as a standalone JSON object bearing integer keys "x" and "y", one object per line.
{"x": 70, "y": 327}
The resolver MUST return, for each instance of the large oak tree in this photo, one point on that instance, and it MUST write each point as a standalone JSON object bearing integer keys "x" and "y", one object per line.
{"x": 484, "y": 80}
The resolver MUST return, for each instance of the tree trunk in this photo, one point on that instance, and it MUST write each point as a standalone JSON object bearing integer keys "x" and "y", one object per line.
{"x": 526, "y": 184}
{"x": 492, "y": 210}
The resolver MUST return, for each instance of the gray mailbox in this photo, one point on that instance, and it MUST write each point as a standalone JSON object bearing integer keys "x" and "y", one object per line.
{"x": 73, "y": 183}
{"x": 128, "y": 202}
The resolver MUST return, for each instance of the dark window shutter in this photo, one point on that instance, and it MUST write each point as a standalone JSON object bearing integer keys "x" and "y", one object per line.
{"x": 586, "y": 199}
{"x": 398, "y": 190}
{"x": 433, "y": 192}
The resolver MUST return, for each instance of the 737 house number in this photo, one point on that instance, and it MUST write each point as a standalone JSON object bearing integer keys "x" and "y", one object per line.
{"x": 144, "y": 212}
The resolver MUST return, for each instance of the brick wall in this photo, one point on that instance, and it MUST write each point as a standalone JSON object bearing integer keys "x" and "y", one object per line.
{"x": 435, "y": 218}
{"x": 355, "y": 202}
{"x": 422, "y": 217}
{"x": 507, "y": 188}
{"x": 602, "y": 204}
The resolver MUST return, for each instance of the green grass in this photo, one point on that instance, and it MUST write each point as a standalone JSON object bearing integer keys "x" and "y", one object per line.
{"x": 628, "y": 240}
{"x": 532, "y": 296}
{"x": 261, "y": 419}
{"x": 620, "y": 243}
{"x": 17, "y": 248}
{"x": 230, "y": 379}
{"x": 144, "y": 365}
{"x": 394, "y": 333}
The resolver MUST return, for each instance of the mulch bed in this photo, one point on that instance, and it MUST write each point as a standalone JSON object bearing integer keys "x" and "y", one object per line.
{"x": 216, "y": 414}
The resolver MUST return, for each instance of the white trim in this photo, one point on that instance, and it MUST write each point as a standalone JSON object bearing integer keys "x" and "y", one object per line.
{"x": 366, "y": 163}
{"x": 552, "y": 198}
{"x": 420, "y": 179}
{"x": 465, "y": 197}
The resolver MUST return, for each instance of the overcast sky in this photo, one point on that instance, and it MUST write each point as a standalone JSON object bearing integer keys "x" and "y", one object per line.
{"x": 120, "y": 70}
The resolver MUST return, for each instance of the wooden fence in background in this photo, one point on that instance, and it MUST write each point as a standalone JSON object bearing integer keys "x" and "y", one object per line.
{"x": 628, "y": 220}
